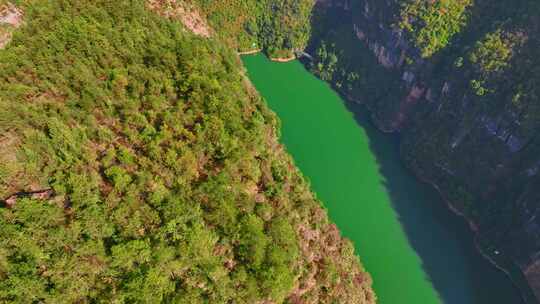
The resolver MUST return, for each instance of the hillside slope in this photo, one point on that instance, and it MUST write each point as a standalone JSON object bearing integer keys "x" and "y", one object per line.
{"x": 278, "y": 27}
{"x": 139, "y": 166}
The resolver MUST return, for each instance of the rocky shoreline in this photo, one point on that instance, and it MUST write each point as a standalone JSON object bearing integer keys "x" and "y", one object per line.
{"x": 250, "y": 52}
{"x": 283, "y": 59}
{"x": 472, "y": 225}
{"x": 475, "y": 230}
{"x": 275, "y": 59}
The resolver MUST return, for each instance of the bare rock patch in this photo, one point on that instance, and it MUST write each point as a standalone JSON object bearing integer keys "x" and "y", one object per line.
{"x": 186, "y": 13}
{"x": 11, "y": 18}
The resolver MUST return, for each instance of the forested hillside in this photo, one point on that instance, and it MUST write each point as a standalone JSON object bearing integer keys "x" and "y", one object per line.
{"x": 137, "y": 165}
{"x": 276, "y": 26}
{"x": 459, "y": 79}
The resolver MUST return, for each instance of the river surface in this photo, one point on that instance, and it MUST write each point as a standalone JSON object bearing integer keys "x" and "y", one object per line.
{"x": 415, "y": 248}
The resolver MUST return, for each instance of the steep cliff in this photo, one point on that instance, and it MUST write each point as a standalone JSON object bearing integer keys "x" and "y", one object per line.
{"x": 138, "y": 165}
{"x": 459, "y": 80}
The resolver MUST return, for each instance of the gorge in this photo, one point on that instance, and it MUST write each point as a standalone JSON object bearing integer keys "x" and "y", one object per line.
{"x": 139, "y": 164}
{"x": 465, "y": 105}
{"x": 415, "y": 248}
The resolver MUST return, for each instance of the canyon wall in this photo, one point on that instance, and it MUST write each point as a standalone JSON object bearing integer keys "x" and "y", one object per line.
{"x": 469, "y": 124}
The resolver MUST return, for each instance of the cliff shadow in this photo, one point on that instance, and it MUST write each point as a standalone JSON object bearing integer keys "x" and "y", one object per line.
{"x": 441, "y": 239}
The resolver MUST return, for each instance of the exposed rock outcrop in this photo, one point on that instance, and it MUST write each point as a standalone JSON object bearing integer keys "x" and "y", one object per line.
{"x": 183, "y": 11}
{"x": 11, "y": 18}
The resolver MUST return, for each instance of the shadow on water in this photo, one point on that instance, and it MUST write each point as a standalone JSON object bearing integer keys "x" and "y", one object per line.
{"x": 433, "y": 230}
{"x": 441, "y": 240}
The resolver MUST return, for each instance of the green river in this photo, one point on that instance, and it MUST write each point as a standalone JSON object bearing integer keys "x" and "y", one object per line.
{"x": 416, "y": 250}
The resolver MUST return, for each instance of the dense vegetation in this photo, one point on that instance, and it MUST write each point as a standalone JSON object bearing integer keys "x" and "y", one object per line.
{"x": 277, "y": 26}
{"x": 490, "y": 56}
{"x": 460, "y": 79}
{"x": 165, "y": 181}
{"x": 328, "y": 67}
{"x": 432, "y": 24}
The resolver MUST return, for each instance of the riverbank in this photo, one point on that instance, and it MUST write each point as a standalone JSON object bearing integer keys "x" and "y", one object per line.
{"x": 508, "y": 244}
{"x": 513, "y": 272}
{"x": 275, "y": 59}
{"x": 335, "y": 168}
{"x": 284, "y": 59}
{"x": 358, "y": 189}
{"x": 496, "y": 258}
{"x": 250, "y": 52}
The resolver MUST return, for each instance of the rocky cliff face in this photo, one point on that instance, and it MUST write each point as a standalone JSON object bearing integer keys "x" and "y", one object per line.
{"x": 478, "y": 143}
